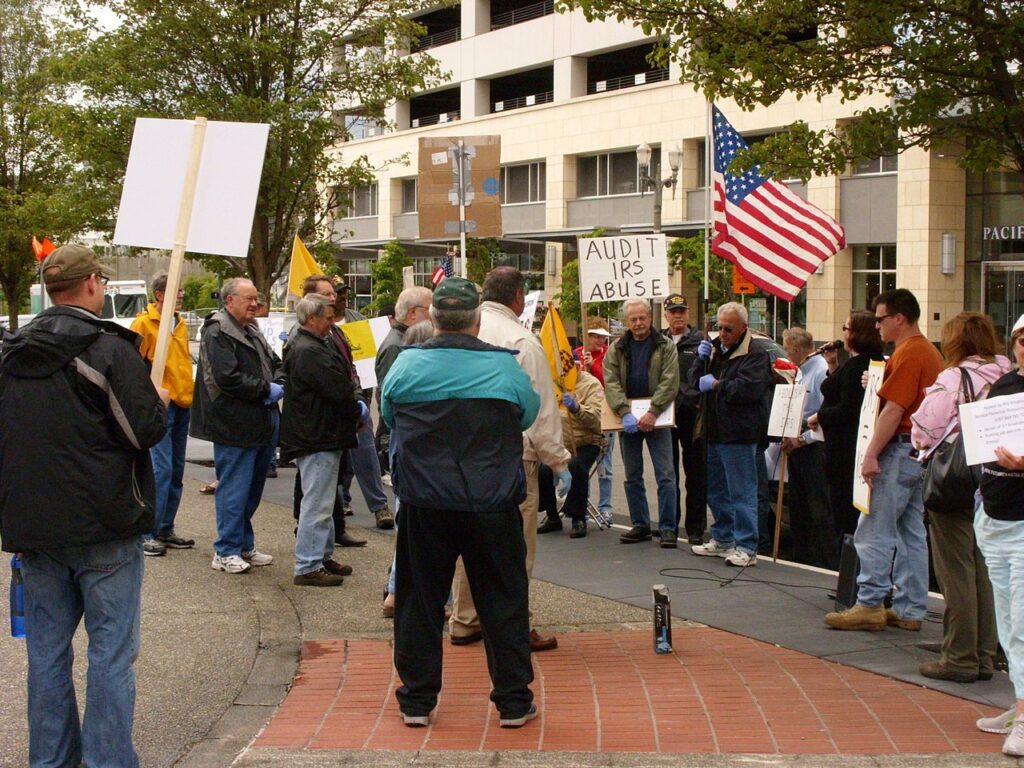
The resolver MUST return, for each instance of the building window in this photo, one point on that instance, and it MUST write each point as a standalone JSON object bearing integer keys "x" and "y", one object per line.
{"x": 884, "y": 164}
{"x": 359, "y": 282}
{"x": 874, "y": 271}
{"x": 523, "y": 183}
{"x": 409, "y": 196}
{"x": 363, "y": 202}
{"x": 614, "y": 173}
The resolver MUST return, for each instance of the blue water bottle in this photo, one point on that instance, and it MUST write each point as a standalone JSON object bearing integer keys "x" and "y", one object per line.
{"x": 17, "y": 599}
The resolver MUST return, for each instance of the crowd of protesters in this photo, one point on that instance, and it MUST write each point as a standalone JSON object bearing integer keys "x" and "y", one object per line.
{"x": 476, "y": 439}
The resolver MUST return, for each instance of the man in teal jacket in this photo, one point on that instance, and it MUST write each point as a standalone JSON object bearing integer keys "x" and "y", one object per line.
{"x": 456, "y": 408}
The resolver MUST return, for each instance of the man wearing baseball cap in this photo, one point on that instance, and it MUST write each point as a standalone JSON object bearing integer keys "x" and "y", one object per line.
{"x": 456, "y": 408}
{"x": 684, "y": 446}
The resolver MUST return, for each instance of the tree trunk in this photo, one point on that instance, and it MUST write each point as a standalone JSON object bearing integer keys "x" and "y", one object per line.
{"x": 11, "y": 297}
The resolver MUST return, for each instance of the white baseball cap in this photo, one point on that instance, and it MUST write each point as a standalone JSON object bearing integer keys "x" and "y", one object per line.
{"x": 1018, "y": 325}
{"x": 603, "y": 332}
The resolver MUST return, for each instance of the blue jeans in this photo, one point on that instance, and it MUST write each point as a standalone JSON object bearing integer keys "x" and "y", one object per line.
{"x": 894, "y": 527}
{"x": 365, "y": 465}
{"x": 103, "y": 583}
{"x": 732, "y": 494}
{"x": 241, "y": 475}
{"x": 659, "y": 446}
{"x": 1002, "y": 544}
{"x": 314, "y": 539}
{"x": 604, "y": 478}
{"x": 169, "y": 468}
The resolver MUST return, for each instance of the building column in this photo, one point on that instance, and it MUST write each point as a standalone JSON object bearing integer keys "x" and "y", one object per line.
{"x": 476, "y": 18}
{"x": 570, "y": 77}
{"x": 398, "y": 115}
{"x": 474, "y": 98}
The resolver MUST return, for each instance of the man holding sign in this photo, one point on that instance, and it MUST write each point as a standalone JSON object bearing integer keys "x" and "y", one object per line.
{"x": 644, "y": 365}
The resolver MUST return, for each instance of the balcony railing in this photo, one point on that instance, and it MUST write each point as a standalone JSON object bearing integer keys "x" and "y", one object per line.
{"x": 438, "y": 38}
{"x": 444, "y": 117}
{"x": 518, "y": 102}
{"x": 519, "y": 15}
{"x": 628, "y": 81}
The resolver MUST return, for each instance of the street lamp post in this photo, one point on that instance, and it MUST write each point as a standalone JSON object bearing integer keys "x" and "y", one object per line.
{"x": 643, "y": 160}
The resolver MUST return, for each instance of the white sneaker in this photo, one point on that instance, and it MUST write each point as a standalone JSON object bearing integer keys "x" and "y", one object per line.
{"x": 1014, "y": 744}
{"x": 1001, "y": 723}
{"x": 255, "y": 557}
{"x": 712, "y": 549}
{"x": 229, "y": 564}
{"x": 740, "y": 559}
{"x": 609, "y": 519}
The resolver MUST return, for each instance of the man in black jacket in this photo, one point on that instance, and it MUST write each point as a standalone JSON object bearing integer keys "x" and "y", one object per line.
{"x": 320, "y": 417}
{"x": 238, "y": 383}
{"x": 78, "y": 415}
{"x": 733, "y": 375}
{"x": 684, "y": 446}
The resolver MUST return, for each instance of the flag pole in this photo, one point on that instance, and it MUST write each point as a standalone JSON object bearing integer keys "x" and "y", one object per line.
{"x": 707, "y": 206}
{"x": 561, "y": 375}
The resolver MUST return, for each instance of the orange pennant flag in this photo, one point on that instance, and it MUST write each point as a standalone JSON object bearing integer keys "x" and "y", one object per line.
{"x": 37, "y": 249}
{"x": 48, "y": 247}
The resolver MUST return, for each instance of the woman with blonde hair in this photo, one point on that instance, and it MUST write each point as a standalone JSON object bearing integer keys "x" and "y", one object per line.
{"x": 969, "y": 625}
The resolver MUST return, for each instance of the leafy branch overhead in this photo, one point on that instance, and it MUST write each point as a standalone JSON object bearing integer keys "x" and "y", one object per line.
{"x": 937, "y": 73}
{"x": 306, "y": 67}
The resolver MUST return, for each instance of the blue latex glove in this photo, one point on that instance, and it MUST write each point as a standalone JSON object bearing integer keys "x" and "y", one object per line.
{"x": 364, "y": 412}
{"x": 707, "y": 382}
{"x": 563, "y": 483}
{"x": 283, "y": 335}
{"x": 276, "y": 393}
{"x": 629, "y": 423}
{"x": 704, "y": 349}
{"x": 570, "y": 402}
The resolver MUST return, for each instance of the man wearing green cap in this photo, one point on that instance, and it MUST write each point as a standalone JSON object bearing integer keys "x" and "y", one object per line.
{"x": 456, "y": 408}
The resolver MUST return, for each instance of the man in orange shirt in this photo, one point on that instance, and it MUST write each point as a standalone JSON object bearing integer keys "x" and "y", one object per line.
{"x": 890, "y": 468}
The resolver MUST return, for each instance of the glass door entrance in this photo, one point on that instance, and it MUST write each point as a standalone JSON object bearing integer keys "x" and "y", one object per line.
{"x": 1003, "y": 294}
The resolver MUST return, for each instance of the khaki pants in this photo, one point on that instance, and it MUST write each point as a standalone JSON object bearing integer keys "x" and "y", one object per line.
{"x": 464, "y": 620}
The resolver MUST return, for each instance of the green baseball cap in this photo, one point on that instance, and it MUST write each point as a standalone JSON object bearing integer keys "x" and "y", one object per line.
{"x": 456, "y": 293}
{"x": 73, "y": 262}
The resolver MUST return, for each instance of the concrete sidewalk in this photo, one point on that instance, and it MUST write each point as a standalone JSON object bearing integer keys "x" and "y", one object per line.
{"x": 220, "y": 655}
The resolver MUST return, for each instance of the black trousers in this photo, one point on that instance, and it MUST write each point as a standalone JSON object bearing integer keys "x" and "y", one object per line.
{"x": 494, "y": 552}
{"x": 576, "y": 501}
{"x": 810, "y": 514}
{"x": 694, "y": 466}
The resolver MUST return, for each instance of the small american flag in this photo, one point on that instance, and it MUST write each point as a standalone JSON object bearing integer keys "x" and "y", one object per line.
{"x": 445, "y": 270}
{"x": 776, "y": 238}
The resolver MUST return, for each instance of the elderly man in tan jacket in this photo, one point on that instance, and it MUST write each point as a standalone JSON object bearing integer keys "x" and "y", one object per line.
{"x": 503, "y": 301}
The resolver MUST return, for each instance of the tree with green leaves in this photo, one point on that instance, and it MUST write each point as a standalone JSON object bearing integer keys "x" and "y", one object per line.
{"x": 386, "y": 272}
{"x": 568, "y": 297}
{"x": 940, "y": 72}
{"x": 41, "y": 190}
{"x": 306, "y": 67}
{"x": 687, "y": 255}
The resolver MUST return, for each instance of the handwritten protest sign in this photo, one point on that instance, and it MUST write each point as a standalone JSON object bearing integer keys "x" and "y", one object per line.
{"x": 623, "y": 267}
{"x": 865, "y": 431}
{"x": 786, "y": 416}
{"x": 271, "y": 328}
{"x": 532, "y": 299}
{"x": 989, "y": 424}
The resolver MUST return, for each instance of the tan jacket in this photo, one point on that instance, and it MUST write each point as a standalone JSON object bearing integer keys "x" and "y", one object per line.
{"x": 542, "y": 441}
{"x": 584, "y": 426}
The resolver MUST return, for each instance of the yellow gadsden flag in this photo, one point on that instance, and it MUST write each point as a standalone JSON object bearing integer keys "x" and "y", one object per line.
{"x": 302, "y": 267}
{"x": 559, "y": 353}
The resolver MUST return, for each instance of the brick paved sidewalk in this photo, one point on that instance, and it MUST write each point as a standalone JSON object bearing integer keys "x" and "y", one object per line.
{"x": 609, "y": 692}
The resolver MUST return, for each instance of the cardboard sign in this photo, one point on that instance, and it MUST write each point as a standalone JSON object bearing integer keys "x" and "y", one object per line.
{"x": 990, "y": 424}
{"x": 364, "y": 337}
{"x": 623, "y": 267}
{"x": 225, "y": 194}
{"x": 530, "y": 309}
{"x": 786, "y": 416}
{"x": 865, "y": 431}
{"x": 438, "y": 187}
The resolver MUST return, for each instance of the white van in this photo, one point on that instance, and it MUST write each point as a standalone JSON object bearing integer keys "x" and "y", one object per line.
{"x": 124, "y": 300}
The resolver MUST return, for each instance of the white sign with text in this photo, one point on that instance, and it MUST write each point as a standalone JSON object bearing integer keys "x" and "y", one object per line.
{"x": 990, "y": 424}
{"x": 865, "y": 431}
{"x": 786, "y": 416}
{"x": 623, "y": 267}
{"x": 530, "y": 309}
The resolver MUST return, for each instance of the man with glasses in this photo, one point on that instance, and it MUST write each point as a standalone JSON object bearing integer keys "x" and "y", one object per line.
{"x": 238, "y": 385}
{"x": 733, "y": 376}
{"x": 895, "y": 525}
{"x": 169, "y": 453}
{"x": 78, "y": 416}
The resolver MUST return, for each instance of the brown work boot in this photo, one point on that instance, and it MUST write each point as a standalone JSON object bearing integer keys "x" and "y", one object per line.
{"x": 868, "y": 617}
{"x": 910, "y": 625}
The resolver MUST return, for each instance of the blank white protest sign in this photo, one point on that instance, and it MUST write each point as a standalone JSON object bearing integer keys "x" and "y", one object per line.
{"x": 226, "y": 189}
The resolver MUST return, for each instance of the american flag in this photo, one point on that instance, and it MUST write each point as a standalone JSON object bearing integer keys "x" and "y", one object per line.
{"x": 776, "y": 238}
{"x": 445, "y": 270}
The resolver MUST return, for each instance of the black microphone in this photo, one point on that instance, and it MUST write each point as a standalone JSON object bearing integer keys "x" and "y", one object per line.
{"x": 828, "y": 346}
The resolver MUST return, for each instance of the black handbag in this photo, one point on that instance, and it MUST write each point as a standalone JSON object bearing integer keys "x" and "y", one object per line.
{"x": 949, "y": 482}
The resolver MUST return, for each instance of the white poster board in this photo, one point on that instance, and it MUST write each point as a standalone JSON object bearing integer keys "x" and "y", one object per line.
{"x": 530, "y": 310}
{"x": 612, "y": 422}
{"x": 623, "y": 267}
{"x": 227, "y": 186}
{"x": 272, "y": 328}
{"x": 364, "y": 337}
{"x": 786, "y": 416}
{"x": 865, "y": 431}
{"x": 990, "y": 424}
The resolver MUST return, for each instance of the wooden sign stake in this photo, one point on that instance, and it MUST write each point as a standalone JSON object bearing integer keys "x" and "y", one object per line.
{"x": 778, "y": 505}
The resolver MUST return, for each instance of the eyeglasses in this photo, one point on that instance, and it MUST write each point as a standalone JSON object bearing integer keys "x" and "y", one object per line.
{"x": 879, "y": 319}
{"x": 846, "y": 328}
{"x": 102, "y": 278}
{"x": 726, "y": 328}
